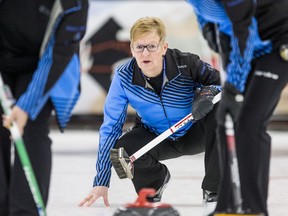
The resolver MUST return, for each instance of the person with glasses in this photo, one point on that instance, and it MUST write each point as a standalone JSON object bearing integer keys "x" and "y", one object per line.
{"x": 162, "y": 85}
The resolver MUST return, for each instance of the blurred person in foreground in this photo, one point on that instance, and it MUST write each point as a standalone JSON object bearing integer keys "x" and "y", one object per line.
{"x": 162, "y": 85}
{"x": 256, "y": 73}
{"x": 39, "y": 61}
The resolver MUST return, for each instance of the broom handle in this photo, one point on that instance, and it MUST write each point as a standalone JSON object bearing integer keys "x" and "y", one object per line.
{"x": 22, "y": 152}
{"x": 233, "y": 163}
{"x": 167, "y": 133}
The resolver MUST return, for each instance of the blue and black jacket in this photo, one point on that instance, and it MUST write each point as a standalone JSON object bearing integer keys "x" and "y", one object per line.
{"x": 57, "y": 75}
{"x": 260, "y": 24}
{"x": 184, "y": 74}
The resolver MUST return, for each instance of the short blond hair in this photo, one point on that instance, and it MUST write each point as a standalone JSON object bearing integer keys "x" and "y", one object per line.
{"x": 147, "y": 25}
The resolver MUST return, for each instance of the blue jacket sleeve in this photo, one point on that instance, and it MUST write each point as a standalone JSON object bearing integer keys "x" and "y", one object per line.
{"x": 115, "y": 110}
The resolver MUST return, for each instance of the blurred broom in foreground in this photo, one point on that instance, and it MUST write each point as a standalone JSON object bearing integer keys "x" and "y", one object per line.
{"x": 6, "y": 102}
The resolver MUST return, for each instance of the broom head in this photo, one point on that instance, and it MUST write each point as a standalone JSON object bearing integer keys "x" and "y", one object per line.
{"x": 122, "y": 163}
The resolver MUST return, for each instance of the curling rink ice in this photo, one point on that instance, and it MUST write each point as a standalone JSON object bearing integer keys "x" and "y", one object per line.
{"x": 74, "y": 169}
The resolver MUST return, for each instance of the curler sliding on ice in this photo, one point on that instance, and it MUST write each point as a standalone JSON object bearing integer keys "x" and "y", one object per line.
{"x": 123, "y": 163}
{"x": 162, "y": 85}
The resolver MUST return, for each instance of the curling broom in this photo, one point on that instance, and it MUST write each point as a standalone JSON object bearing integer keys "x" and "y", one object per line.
{"x": 234, "y": 170}
{"x": 21, "y": 150}
{"x": 123, "y": 164}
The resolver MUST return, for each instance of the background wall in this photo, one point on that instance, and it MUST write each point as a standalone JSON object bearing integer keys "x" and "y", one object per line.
{"x": 106, "y": 44}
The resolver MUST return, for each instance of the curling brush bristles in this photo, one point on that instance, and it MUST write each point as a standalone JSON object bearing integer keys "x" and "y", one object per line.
{"x": 121, "y": 163}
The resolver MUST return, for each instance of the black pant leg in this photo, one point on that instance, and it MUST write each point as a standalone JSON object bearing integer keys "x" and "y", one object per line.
{"x": 211, "y": 179}
{"x": 263, "y": 94}
{"x": 148, "y": 171}
{"x": 5, "y": 153}
{"x": 225, "y": 197}
{"x": 253, "y": 143}
{"x": 5, "y": 166}
{"x": 38, "y": 145}
{"x": 202, "y": 138}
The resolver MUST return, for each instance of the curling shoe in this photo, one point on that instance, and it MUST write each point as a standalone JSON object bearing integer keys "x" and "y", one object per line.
{"x": 209, "y": 202}
{"x": 157, "y": 197}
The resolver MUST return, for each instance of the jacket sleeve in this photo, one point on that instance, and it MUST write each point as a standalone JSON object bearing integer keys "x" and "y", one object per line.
{"x": 244, "y": 34}
{"x": 115, "y": 110}
{"x": 57, "y": 76}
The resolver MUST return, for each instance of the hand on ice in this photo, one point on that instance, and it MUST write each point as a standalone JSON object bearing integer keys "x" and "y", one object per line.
{"x": 95, "y": 193}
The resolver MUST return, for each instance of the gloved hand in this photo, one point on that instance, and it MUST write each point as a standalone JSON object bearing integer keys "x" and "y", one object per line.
{"x": 231, "y": 102}
{"x": 203, "y": 104}
{"x": 209, "y": 33}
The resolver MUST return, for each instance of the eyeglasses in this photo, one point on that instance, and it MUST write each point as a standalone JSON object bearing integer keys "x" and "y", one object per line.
{"x": 149, "y": 47}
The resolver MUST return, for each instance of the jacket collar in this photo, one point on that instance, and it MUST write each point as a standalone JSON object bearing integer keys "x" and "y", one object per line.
{"x": 172, "y": 71}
